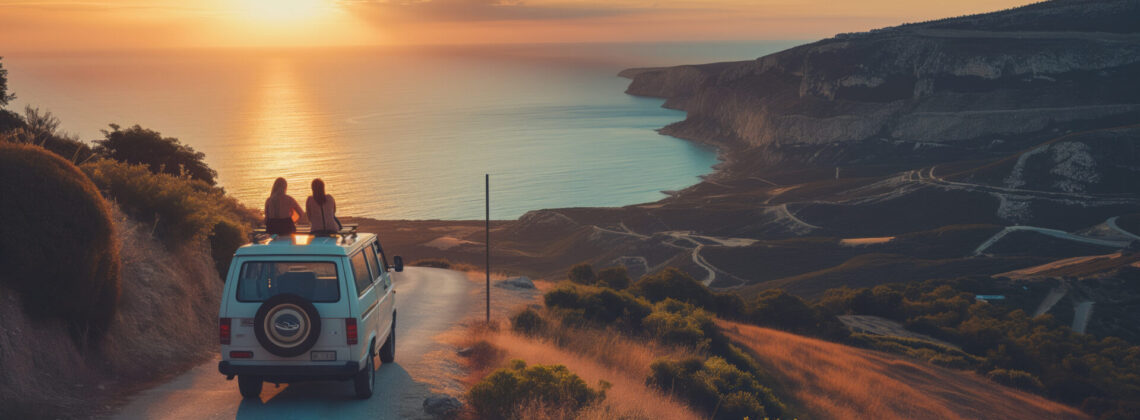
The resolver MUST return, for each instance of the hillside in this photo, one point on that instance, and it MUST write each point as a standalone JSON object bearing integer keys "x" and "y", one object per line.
{"x": 835, "y": 381}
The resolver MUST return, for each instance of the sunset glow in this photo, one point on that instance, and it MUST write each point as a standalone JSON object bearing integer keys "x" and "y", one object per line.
{"x": 38, "y": 25}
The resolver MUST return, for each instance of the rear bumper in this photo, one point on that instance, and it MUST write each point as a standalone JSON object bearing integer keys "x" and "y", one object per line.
{"x": 277, "y": 373}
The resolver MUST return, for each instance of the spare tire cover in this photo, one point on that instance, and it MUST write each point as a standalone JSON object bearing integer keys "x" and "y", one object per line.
{"x": 287, "y": 325}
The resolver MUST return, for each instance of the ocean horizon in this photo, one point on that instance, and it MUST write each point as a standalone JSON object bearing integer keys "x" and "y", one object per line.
{"x": 397, "y": 133}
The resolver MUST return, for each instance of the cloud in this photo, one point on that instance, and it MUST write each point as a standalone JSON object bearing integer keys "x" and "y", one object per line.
{"x": 477, "y": 10}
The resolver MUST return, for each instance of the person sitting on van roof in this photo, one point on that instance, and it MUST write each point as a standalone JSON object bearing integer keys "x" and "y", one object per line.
{"x": 281, "y": 211}
{"x": 321, "y": 208}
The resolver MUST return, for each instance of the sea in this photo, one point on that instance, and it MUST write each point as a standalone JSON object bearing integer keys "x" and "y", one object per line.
{"x": 397, "y": 132}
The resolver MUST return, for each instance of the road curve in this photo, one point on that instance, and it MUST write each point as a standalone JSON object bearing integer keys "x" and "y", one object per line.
{"x": 429, "y": 302}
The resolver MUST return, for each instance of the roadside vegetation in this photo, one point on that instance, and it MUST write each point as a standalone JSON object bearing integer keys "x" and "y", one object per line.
{"x": 111, "y": 257}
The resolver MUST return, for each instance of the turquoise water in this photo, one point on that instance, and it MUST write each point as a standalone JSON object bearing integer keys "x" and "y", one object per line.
{"x": 397, "y": 133}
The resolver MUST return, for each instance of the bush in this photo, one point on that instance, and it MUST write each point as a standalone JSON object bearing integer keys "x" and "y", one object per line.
{"x": 1017, "y": 379}
{"x": 616, "y": 278}
{"x": 680, "y": 323}
{"x": 778, "y": 309}
{"x": 600, "y": 305}
{"x": 673, "y": 283}
{"x": 39, "y": 128}
{"x": 528, "y": 322}
{"x": 180, "y": 211}
{"x": 57, "y": 242}
{"x": 226, "y": 237}
{"x": 715, "y": 387}
{"x": 161, "y": 155}
{"x": 582, "y": 274}
{"x": 499, "y": 394}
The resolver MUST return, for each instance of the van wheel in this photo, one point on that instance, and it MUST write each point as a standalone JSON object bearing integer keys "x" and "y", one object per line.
{"x": 250, "y": 386}
{"x": 388, "y": 350}
{"x": 365, "y": 380}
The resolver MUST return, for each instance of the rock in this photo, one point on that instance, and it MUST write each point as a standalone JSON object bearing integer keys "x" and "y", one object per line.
{"x": 440, "y": 405}
{"x": 517, "y": 283}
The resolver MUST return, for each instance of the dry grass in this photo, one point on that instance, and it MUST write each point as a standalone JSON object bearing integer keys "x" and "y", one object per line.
{"x": 166, "y": 321}
{"x": 594, "y": 355}
{"x": 832, "y": 381}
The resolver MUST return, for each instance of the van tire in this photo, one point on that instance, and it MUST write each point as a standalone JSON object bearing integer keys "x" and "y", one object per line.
{"x": 250, "y": 386}
{"x": 312, "y": 319}
{"x": 365, "y": 379}
{"x": 388, "y": 350}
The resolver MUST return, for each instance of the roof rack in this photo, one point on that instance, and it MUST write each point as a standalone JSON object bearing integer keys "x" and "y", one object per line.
{"x": 347, "y": 230}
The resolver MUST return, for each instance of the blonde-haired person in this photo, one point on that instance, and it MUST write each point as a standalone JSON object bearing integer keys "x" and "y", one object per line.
{"x": 321, "y": 209}
{"x": 281, "y": 210}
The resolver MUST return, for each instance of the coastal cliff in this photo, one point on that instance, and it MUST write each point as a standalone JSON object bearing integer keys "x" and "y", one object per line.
{"x": 953, "y": 88}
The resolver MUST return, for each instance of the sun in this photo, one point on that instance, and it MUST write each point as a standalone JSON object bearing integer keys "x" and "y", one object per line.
{"x": 284, "y": 11}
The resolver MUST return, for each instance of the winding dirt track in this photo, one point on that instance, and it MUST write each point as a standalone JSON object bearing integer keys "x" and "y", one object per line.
{"x": 429, "y": 302}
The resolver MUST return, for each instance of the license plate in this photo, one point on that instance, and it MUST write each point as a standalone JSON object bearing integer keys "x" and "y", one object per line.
{"x": 322, "y": 356}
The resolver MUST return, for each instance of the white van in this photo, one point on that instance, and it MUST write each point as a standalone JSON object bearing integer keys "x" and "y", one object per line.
{"x": 304, "y": 307}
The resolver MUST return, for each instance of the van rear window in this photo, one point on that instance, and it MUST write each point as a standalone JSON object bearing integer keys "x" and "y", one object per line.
{"x": 315, "y": 281}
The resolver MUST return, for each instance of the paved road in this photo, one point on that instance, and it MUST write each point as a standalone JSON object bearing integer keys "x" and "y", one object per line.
{"x": 430, "y": 301}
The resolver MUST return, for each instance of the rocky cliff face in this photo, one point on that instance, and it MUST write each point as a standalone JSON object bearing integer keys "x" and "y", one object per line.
{"x": 963, "y": 82}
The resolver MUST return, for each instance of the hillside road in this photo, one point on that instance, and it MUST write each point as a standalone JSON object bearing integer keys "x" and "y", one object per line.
{"x": 429, "y": 301}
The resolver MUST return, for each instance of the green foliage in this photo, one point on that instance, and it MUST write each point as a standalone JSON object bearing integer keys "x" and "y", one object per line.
{"x": 680, "y": 323}
{"x": 140, "y": 146}
{"x": 497, "y": 395}
{"x": 528, "y": 322}
{"x": 778, "y": 309}
{"x": 616, "y": 278}
{"x": 715, "y": 387}
{"x": 57, "y": 242}
{"x": 582, "y": 274}
{"x": 226, "y": 237}
{"x": 1017, "y": 379}
{"x": 672, "y": 283}
{"x": 1071, "y": 368}
{"x": 41, "y": 128}
{"x": 180, "y": 211}
{"x": 600, "y": 305}
{"x": 4, "y": 95}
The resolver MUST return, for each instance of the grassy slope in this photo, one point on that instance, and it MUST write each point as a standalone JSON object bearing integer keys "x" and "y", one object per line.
{"x": 165, "y": 323}
{"x": 833, "y": 381}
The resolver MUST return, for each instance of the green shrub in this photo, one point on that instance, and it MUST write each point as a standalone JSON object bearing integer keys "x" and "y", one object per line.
{"x": 161, "y": 155}
{"x": 226, "y": 237}
{"x": 497, "y": 395}
{"x": 57, "y": 242}
{"x": 729, "y": 305}
{"x": 180, "y": 211}
{"x": 600, "y": 305}
{"x": 1017, "y": 379}
{"x": 673, "y": 283}
{"x": 528, "y": 321}
{"x": 680, "y": 323}
{"x": 715, "y": 387}
{"x": 616, "y": 278}
{"x": 582, "y": 274}
{"x": 778, "y": 309}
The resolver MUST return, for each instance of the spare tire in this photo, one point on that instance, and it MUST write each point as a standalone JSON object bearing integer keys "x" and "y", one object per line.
{"x": 287, "y": 325}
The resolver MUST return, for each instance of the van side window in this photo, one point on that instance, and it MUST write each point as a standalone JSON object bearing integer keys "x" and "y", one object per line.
{"x": 383, "y": 258}
{"x": 360, "y": 273}
{"x": 371, "y": 258}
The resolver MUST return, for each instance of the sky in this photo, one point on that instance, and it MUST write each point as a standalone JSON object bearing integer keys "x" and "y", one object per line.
{"x": 77, "y": 25}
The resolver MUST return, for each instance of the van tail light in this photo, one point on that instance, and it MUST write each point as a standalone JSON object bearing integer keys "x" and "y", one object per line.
{"x": 350, "y": 330}
{"x": 224, "y": 330}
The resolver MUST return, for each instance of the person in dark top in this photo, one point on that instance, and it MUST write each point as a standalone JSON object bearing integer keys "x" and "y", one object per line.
{"x": 281, "y": 211}
{"x": 321, "y": 209}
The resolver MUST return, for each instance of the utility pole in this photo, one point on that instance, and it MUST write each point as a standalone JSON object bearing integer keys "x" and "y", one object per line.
{"x": 487, "y": 203}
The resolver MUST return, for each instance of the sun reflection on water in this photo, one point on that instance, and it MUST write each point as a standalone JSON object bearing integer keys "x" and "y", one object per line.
{"x": 284, "y": 136}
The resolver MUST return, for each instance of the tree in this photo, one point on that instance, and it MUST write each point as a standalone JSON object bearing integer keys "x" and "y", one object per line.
{"x": 137, "y": 145}
{"x": 4, "y": 95}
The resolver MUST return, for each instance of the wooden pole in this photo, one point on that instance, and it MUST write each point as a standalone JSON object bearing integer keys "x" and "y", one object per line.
{"x": 487, "y": 202}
